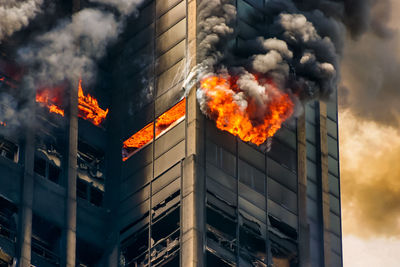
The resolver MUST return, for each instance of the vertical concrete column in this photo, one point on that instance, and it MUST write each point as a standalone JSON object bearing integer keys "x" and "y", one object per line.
{"x": 25, "y": 235}
{"x": 324, "y": 182}
{"x": 70, "y": 201}
{"x": 192, "y": 223}
{"x": 304, "y": 229}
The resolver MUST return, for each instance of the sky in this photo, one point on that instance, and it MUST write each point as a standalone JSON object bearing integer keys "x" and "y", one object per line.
{"x": 369, "y": 124}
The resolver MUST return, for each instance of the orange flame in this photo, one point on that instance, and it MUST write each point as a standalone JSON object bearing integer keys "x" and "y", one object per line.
{"x": 2, "y": 123}
{"x": 146, "y": 134}
{"x": 51, "y": 99}
{"x": 230, "y": 117}
{"x": 89, "y": 108}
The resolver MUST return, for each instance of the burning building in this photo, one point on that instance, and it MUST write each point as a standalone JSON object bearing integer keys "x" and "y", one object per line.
{"x": 144, "y": 133}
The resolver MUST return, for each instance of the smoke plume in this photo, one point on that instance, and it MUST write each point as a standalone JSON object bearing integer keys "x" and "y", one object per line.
{"x": 370, "y": 86}
{"x": 369, "y": 120}
{"x": 298, "y": 53}
{"x": 71, "y": 50}
{"x": 16, "y": 14}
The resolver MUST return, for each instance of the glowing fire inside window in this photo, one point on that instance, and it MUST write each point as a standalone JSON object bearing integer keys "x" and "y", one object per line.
{"x": 88, "y": 106}
{"x": 146, "y": 134}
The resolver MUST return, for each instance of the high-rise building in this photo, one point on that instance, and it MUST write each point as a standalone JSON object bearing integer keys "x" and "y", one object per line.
{"x": 156, "y": 183}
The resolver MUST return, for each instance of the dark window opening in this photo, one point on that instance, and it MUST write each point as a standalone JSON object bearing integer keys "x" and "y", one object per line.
{"x": 45, "y": 241}
{"x": 8, "y": 220}
{"x": 283, "y": 227}
{"x": 87, "y": 255}
{"x": 40, "y": 166}
{"x": 89, "y": 192}
{"x": 165, "y": 234}
{"x": 9, "y": 150}
{"x": 47, "y": 163}
{"x": 214, "y": 260}
{"x": 135, "y": 251}
{"x": 252, "y": 244}
{"x": 221, "y": 229}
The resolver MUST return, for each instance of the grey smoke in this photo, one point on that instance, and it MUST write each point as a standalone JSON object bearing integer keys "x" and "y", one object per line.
{"x": 15, "y": 14}
{"x": 125, "y": 7}
{"x": 300, "y": 50}
{"x": 70, "y": 51}
{"x": 370, "y": 86}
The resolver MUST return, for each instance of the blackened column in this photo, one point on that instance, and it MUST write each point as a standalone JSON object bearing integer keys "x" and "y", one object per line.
{"x": 25, "y": 233}
{"x": 304, "y": 229}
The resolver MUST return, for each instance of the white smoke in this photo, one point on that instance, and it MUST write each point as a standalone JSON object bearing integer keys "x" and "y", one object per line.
{"x": 15, "y": 14}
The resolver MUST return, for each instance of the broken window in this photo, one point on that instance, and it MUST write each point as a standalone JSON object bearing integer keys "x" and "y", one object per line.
{"x": 8, "y": 219}
{"x": 252, "y": 242}
{"x": 162, "y": 124}
{"x": 45, "y": 241}
{"x": 165, "y": 233}
{"x": 134, "y": 251}
{"x": 91, "y": 178}
{"x": 221, "y": 230}
{"x": 87, "y": 255}
{"x": 47, "y": 163}
{"x": 9, "y": 150}
{"x": 215, "y": 260}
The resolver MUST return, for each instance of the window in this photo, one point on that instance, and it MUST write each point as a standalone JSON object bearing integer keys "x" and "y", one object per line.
{"x": 47, "y": 164}
{"x": 9, "y": 150}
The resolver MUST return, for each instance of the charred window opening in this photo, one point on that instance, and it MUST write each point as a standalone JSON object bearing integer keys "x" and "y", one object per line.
{"x": 87, "y": 255}
{"x": 221, "y": 228}
{"x": 162, "y": 124}
{"x": 214, "y": 260}
{"x": 91, "y": 179}
{"x": 47, "y": 162}
{"x": 8, "y": 220}
{"x": 45, "y": 241}
{"x": 134, "y": 251}
{"x": 252, "y": 243}
{"x": 9, "y": 150}
{"x": 165, "y": 233}
{"x": 283, "y": 227}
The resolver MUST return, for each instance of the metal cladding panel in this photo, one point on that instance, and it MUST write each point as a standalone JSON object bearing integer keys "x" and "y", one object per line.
{"x": 222, "y": 177}
{"x": 168, "y": 140}
{"x": 282, "y": 195}
{"x": 134, "y": 214}
{"x": 169, "y": 158}
{"x": 91, "y": 223}
{"x": 336, "y": 243}
{"x": 335, "y": 226}
{"x": 175, "y": 14}
{"x": 170, "y": 78}
{"x": 282, "y": 175}
{"x": 136, "y": 181}
{"x": 49, "y": 200}
{"x": 171, "y": 57}
{"x": 222, "y": 138}
{"x": 134, "y": 199}
{"x": 171, "y": 37}
{"x": 221, "y": 191}
{"x": 165, "y": 192}
{"x": 282, "y": 214}
{"x": 10, "y": 182}
{"x": 169, "y": 98}
{"x": 166, "y": 178}
{"x": 336, "y": 260}
{"x": 253, "y": 197}
{"x": 163, "y": 6}
{"x": 251, "y": 155}
{"x": 252, "y": 210}
{"x": 138, "y": 161}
